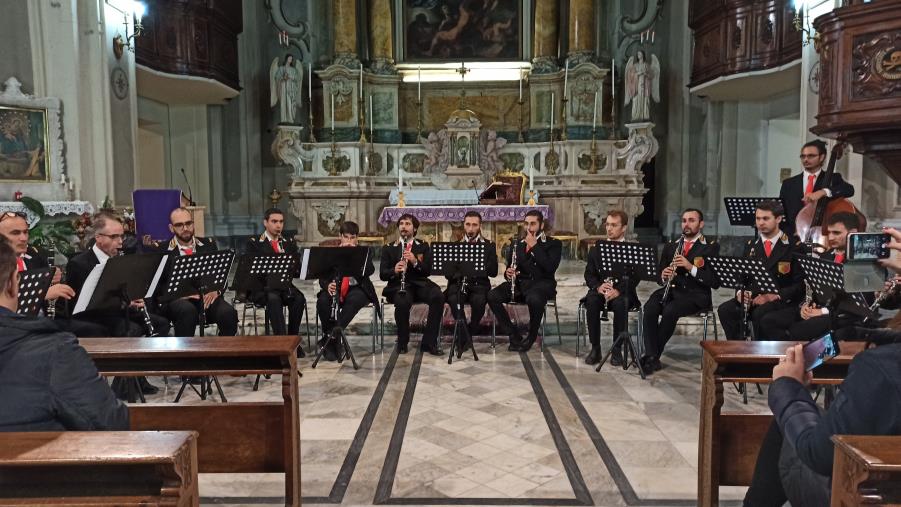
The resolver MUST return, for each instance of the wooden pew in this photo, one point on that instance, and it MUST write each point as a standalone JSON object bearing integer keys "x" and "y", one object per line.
{"x": 866, "y": 470}
{"x": 242, "y": 437}
{"x": 99, "y": 468}
{"x": 729, "y": 443}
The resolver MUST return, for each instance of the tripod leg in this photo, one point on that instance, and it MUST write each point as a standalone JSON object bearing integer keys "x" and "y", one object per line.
{"x": 219, "y": 388}
{"x": 453, "y": 346}
{"x": 184, "y": 385}
{"x": 320, "y": 351}
{"x": 256, "y": 383}
{"x": 137, "y": 384}
{"x": 347, "y": 351}
{"x": 472, "y": 345}
{"x": 631, "y": 351}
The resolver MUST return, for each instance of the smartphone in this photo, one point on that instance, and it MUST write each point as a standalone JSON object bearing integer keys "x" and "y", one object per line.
{"x": 819, "y": 351}
{"x": 868, "y": 246}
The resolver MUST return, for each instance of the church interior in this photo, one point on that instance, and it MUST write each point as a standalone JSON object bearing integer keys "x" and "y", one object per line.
{"x": 450, "y": 252}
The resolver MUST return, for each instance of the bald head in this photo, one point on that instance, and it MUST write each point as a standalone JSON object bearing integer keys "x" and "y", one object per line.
{"x": 181, "y": 224}
{"x": 15, "y": 229}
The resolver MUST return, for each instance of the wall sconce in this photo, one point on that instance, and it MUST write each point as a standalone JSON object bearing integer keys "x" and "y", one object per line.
{"x": 808, "y": 36}
{"x": 136, "y": 10}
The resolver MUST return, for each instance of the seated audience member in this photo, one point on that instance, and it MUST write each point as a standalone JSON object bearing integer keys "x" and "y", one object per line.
{"x": 47, "y": 380}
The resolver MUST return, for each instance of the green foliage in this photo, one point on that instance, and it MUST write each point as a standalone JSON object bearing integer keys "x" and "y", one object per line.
{"x": 57, "y": 235}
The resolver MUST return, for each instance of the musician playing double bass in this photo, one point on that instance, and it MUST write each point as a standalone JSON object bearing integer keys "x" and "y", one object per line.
{"x": 777, "y": 252}
{"x": 810, "y": 186}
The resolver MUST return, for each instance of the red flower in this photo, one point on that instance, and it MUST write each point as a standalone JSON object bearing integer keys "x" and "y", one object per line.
{"x": 18, "y": 195}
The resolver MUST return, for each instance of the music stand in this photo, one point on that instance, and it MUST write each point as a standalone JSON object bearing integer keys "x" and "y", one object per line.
{"x": 264, "y": 272}
{"x": 33, "y": 286}
{"x": 743, "y": 274}
{"x": 334, "y": 263}
{"x": 459, "y": 261}
{"x": 827, "y": 279}
{"x": 742, "y": 210}
{"x": 627, "y": 261}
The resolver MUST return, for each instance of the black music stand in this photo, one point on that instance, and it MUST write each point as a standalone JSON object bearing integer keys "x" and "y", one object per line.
{"x": 459, "y": 261}
{"x": 334, "y": 263}
{"x": 264, "y": 272}
{"x": 742, "y": 210}
{"x": 33, "y": 286}
{"x": 627, "y": 261}
{"x": 827, "y": 279}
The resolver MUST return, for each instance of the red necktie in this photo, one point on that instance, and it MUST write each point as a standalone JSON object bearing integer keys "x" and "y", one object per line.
{"x": 687, "y": 248}
{"x": 839, "y": 258}
{"x": 274, "y": 244}
{"x": 768, "y": 247}
{"x": 345, "y": 286}
{"x": 20, "y": 262}
{"x": 810, "y": 181}
{"x": 189, "y": 251}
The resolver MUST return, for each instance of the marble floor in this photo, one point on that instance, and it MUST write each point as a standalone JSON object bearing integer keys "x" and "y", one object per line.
{"x": 537, "y": 428}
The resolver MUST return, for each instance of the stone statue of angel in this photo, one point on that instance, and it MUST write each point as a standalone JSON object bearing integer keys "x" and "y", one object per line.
{"x": 642, "y": 84}
{"x": 284, "y": 88}
{"x": 437, "y": 156}
{"x": 489, "y": 153}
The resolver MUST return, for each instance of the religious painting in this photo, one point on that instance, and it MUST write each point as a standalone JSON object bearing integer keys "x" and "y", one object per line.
{"x": 23, "y": 144}
{"x": 470, "y": 30}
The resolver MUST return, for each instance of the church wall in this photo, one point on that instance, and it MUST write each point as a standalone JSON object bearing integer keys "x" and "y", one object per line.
{"x": 15, "y": 59}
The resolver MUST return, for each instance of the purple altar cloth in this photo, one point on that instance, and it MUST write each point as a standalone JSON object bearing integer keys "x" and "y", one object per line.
{"x": 432, "y": 214}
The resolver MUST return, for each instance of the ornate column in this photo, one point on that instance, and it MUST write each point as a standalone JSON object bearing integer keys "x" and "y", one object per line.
{"x": 344, "y": 13}
{"x": 581, "y": 31}
{"x": 544, "y": 40}
{"x": 381, "y": 37}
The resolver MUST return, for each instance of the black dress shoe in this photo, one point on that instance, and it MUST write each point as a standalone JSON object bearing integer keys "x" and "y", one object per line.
{"x": 647, "y": 365}
{"x": 300, "y": 352}
{"x": 402, "y": 348}
{"x": 147, "y": 387}
{"x": 594, "y": 356}
{"x": 527, "y": 344}
{"x": 656, "y": 364}
{"x": 435, "y": 351}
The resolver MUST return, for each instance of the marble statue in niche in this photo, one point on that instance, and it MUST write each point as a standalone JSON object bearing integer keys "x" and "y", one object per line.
{"x": 284, "y": 88}
{"x": 642, "y": 84}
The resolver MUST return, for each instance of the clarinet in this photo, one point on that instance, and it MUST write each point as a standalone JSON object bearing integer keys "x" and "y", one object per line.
{"x": 403, "y": 275}
{"x": 604, "y": 316}
{"x": 884, "y": 295}
{"x": 669, "y": 281}
{"x": 51, "y": 303}
{"x": 513, "y": 278}
{"x": 335, "y": 300}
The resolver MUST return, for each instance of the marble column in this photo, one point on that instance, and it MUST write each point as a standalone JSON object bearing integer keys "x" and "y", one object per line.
{"x": 581, "y": 31}
{"x": 344, "y": 12}
{"x": 544, "y": 40}
{"x": 380, "y": 36}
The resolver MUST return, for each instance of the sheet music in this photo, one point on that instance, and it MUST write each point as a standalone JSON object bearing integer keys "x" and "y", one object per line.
{"x": 87, "y": 290}
{"x": 156, "y": 277}
{"x": 304, "y": 263}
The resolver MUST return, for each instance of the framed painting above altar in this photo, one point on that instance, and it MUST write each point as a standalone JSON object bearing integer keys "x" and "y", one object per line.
{"x": 469, "y": 30}
{"x": 24, "y": 144}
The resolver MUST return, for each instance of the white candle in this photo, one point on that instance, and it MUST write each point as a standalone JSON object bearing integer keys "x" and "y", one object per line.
{"x": 653, "y": 33}
{"x": 310, "y": 83}
{"x": 594, "y": 118}
{"x": 552, "y": 114}
{"x": 531, "y": 174}
{"x": 419, "y": 83}
{"x": 333, "y": 113}
{"x": 361, "y": 81}
{"x": 371, "y": 122}
{"x": 566, "y": 79}
{"x": 400, "y": 179}
{"x": 613, "y": 81}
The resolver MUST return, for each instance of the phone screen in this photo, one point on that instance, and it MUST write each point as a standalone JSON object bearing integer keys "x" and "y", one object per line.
{"x": 868, "y": 246}
{"x": 819, "y": 351}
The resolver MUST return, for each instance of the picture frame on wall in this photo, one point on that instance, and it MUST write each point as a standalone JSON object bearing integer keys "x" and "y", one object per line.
{"x": 24, "y": 144}
{"x": 468, "y": 30}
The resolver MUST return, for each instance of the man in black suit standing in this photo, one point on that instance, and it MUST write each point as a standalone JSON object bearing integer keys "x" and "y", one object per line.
{"x": 268, "y": 243}
{"x": 354, "y": 293}
{"x": 809, "y": 186}
{"x": 530, "y": 280}
{"x": 476, "y": 288}
{"x": 691, "y": 280}
{"x": 185, "y": 312}
{"x": 407, "y": 264}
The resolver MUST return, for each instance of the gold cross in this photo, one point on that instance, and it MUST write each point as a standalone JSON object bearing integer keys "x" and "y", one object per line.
{"x": 462, "y": 71}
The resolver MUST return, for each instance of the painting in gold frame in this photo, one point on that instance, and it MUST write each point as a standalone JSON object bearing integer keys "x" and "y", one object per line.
{"x": 24, "y": 145}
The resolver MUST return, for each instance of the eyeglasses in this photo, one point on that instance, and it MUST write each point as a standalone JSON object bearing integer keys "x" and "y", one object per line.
{"x": 13, "y": 214}
{"x": 809, "y": 156}
{"x": 182, "y": 225}
{"x": 114, "y": 237}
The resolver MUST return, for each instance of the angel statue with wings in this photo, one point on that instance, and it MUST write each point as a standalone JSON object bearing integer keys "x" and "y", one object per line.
{"x": 284, "y": 88}
{"x": 642, "y": 84}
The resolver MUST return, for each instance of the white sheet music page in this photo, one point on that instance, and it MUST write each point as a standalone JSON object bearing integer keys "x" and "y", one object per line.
{"x": 156, "y": 277}
{"x": 87, "y": 290}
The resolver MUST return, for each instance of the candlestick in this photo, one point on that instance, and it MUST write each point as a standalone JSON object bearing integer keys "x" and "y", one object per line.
{"x": 400, "y": 179}
{"x": 333, "y": 115}
{"x": 593, "y": 169}
{"x": 361, "y": 81}
{"x": 520, "y": 136}
{"x": 371, "y": 120}
{"x": 361, "y": 120}
{"x": 563, "y": 117}
{"x": 520, "y": 85}
{"x": 552, "y": 117}
{"x": 419, "y": 121}
{"x": 310, "y": 82}
{"x": 566, "y": 79}
{"x": 419, "y": 83}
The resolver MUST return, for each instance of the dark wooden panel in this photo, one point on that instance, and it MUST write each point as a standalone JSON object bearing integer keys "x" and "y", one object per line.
{"x": 192, "y": 38}
{"x": 740, "y": 439}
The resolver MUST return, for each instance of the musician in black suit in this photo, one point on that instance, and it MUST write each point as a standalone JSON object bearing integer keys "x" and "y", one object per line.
{"x": 476, "y": 288}
{"x": 683, "y": 266}
{"x": 268, "y": 243}
{"x": 778, "y": 254}
{"x": 810, "y": 186}
{"x": 533, "y": 277}
{"x": 354, "y": 293}
{"x": 813, "y": 320}
{"x": 185, "y": 312}
{"x": 410, "y": 260}
{"x": 604, "y": 288}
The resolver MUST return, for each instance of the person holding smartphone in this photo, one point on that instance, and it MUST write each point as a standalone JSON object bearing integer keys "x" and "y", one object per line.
{"x": 795, "y": 459}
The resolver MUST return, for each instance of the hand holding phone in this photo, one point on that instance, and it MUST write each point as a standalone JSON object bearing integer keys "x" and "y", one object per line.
{"x": 819, "y": 351}
{"x": 868, "y": 246}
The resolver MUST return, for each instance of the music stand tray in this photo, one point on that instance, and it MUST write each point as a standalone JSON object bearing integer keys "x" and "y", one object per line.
{"x": 120, "y": 280}
{"x": 458, "y": 261}
{"x": 33, "y": 287}
{"x": 741, "y": 210}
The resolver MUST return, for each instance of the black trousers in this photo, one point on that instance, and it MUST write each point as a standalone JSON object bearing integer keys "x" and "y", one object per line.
{"x": 113, "y": 324}
{"x": 730, "y": 318}
{"x": 82, "y": 328}
{"x": 535, "y": 294}
{"x": 660, "y": 320}
{"x": 780, "y": 476}
{"x": 429, "y": 294}
{"x": 185, "y": 316}
{"x": 594, "y": 305}
{"x": 275, "y": 301}
{"x": 476, "y": 296}
{"x": 354, "y": 301}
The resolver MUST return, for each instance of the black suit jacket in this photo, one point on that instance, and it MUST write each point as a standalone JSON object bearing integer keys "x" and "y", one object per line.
{"x": 363, "y": 282}
{"x": 260, "y": 245}
{"x": 693, "y": 286}
{"x": 782, "y": 265}
{"x": 539, "y": 266}
{"x": 417, "y": 276}
{"x": 35, "y": 259}
{"x": 595, "y": 275}
{"x": 792, "y": 193}
{"x": 481, "y": 282}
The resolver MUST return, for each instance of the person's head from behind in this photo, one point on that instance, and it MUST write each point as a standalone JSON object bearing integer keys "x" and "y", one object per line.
{"x": 534, "y": 222}
{"x": 472, "y": 225}
{"x": 348, "y": 232}
{"x": 692, "y": 222}
{"x": 615, "y": 224}
{"x": 9, "y": 277}
{"x": 181, "y": 224}
{"x": 274, "y": 222}
{"x": 108, "y": 233}
{"x": 768, "y": 216}
{"x": 407, "y": 226}
{"x": 14, "y": 228}
{"x": 838, "y": 227}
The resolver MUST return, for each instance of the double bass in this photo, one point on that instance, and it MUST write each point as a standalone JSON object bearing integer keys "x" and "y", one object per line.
{"x": 810, "y": 220}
